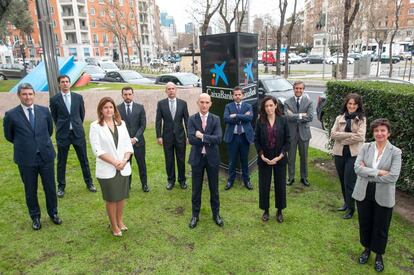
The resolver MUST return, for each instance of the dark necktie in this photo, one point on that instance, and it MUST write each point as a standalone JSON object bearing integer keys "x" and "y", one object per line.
{"x": 298, "y": 103}
{"x": 238, "y": 126}
{"x": 128, "y": 109}
{"x": 31, "y": 118}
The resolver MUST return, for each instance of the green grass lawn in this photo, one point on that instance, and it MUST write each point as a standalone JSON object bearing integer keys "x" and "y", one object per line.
{"x": 116, "y": 86}
{"x": 6, "y": 85}
{"x": 312, "y": 240}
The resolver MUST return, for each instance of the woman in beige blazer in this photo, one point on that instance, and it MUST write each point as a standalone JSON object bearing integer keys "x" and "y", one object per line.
{"x": 112, "y": 147}
{"x": 378, "y": 167}
{"x": 348, "y": 134}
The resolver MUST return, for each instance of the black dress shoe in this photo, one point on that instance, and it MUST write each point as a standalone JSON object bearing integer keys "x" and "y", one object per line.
{"x": 183, "y": 185}
{"x": 228, "y": 185}
{"x": 363, "y": 258}
{"x": 170, "y": 186}
{"x": 60, "y": 193}
{"x": 56, "y": 220}
{"x": 342, "y": 208}
{"x": 91, "y": 188}
{"x": 279, "y": 217}
{"x": 305, "y": 182}
{"x": 248, "y": 185}
{"x": 265, "y": 216}
{"x": 193, "y": 222}
{"x": 379, "y": 264}
{"x": 145, "y": 188}
{"x": 348, "y": 214}
{"x": 290, "y": 181}
{"x": 36, "y": 225}
{"x": 217, "y": 219}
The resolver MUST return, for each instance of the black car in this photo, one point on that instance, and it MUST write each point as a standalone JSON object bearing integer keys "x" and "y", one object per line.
{"x": 180, "y": 79}
{"x": 11, "y": 71}
{"x": 315, "y": 59}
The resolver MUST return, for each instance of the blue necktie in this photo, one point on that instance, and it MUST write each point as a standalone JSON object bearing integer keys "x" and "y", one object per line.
{"x": 31, "y": 118}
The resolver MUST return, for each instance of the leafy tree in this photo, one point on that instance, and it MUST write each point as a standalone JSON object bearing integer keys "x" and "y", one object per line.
{"x": 16, "y": 13}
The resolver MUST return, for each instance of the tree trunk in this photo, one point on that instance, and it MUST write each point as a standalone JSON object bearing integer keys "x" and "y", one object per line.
{"x": 347, "y": 26}
{"x": 279, "y": 34}
{"x": 289, "y": 40}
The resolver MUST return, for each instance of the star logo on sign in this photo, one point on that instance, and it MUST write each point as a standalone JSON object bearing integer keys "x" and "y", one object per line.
{"x": 219, "y": 73}
{"x": 248, "y": 71}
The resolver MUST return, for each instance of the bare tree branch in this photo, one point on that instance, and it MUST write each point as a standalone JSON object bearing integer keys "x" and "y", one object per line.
{"x": 282, "y": 9}
{"x": 347, "y": 25}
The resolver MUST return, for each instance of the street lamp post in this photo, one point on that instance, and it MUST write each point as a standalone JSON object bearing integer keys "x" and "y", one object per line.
{"x": 325, "y": 4}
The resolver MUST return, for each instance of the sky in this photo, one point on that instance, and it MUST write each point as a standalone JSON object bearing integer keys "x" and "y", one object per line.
{"x": 178, "y": 9}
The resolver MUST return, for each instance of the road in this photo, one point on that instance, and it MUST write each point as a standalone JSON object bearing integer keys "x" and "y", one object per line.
{"x": 314, "y": 92}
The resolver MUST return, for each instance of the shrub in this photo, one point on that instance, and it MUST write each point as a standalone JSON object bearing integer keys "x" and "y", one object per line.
{"x": 381, "y": 100}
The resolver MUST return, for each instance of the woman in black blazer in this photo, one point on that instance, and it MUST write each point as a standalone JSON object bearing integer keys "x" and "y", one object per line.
{"x": 272, "y": 144}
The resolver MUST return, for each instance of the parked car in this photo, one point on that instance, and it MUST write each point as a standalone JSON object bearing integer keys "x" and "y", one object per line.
{"x": 295, "y": 59}
{"x": 108, "y": 66}
{"x": 156, "y": 63}
{"x": 275, "y": 86}
{"x": 96, "y": 72}
{"x": 355, "y": 56}
{"x": 315, "y": 59}
{"x": 333, "y": 59}
{"x": 127, "y": 76}
{"x": 179, "y": 79}
{"x": 11, "y": 71}
{"x": 385, "y": 58}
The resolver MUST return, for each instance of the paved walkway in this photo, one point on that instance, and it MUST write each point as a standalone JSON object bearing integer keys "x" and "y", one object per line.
{"x": 319, "y": 139}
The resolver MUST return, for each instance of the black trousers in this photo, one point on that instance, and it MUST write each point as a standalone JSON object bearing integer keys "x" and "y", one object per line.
{"x": 175, "y": 151}
{"x": 374, "y": 222}
{"x": 139, "y": 154}
{"x": 239, "y": 147}
{"x": 80, "y": 148}
{"x": 279, "y": 180}
{"x": 29, "y": 176}
{"x": 346, "y": 173}
{"x": 197, "y": 173}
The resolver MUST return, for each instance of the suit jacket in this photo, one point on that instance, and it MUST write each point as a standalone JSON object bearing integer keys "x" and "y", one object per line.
{"x": 63, "y": 118}
{"x": 26, "y": 141}
{"x": 135, "y": 123}
{"x": 211, "y": 140}
{"x": 354, "y": 139}
{"x": 241, "y": 118}
{"x": 281, "y": 132}
{"x": 168, "y": 128}
{"x": 385, "y": 185}
{"x": 102, "y": 142}
{"x": 294, "y": 122}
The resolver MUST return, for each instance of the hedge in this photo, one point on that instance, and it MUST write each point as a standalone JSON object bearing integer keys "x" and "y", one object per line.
{"x": 381, "y": 100}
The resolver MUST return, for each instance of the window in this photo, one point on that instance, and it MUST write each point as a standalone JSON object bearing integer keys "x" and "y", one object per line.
{"x": 131, "y": 3}
{"x": 29, "y": 39}
{"x": 95, "y": 38}
{"x": 53, "y": 24}
{"x": 92, "y": 12}
{"x": 86, "y": 52}
{"x": 51, "y": 10}
{"x": 56, "y": 39}
{"x": 101, "y": 1}
{"x": 121, "y": 2}
{"x": 106, "y": 51}
{"x": 411, "y": 11}
{"x": 72, "y": 51}
{"x": 102, "y": 13}
{"x": 93, "y": 24}
{"x": 15, "y": 38}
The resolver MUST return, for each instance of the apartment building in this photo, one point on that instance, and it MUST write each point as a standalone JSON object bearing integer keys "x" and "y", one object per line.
{"x": 82, "y": 28}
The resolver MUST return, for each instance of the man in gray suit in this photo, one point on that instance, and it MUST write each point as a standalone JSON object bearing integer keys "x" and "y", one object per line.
{"x": 299, "y": 113}
{"x": 134, "y": 116}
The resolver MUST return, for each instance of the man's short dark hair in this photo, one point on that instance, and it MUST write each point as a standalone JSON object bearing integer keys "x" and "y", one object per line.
{"x": 298, "y": 82}
{"x": 24, "y": 86}
{"x": 127, "y": 88}
{"x": 237, "y": 88}
{"x": 62, "y": 76}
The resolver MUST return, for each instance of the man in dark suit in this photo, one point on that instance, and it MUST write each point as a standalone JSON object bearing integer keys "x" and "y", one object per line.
{"x": 238, "y": 135}
{"x": 29, "y": 127}
{"x": 134, "y": 116}
{"x": 204, "y": 134}
{"x": 171, "y": 127}
{"x": 299, "y": 113}
{"x": 68, "y": 112}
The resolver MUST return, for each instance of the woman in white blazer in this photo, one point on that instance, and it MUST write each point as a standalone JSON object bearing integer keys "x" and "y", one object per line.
{"x": 112, "y": 147}
{"x": 378, "y": 167}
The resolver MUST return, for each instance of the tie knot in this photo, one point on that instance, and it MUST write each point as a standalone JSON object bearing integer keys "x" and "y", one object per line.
{"x": 30, "y": 109}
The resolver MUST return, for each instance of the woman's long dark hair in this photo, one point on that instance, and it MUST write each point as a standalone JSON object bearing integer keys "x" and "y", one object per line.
{"x": 360, "y": 112}
{"x": 263, "y": 114}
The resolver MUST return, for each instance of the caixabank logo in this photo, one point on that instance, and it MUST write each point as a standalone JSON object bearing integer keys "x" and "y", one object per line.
{"x": 219, "y": 83}
{"x": 248, "y": 73}
{"x": 217, "y": 73}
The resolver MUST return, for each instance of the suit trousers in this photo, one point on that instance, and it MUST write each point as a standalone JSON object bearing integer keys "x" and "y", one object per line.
{"x": 139, "y": 153}
{"x": 239, "y": 147}
{"x": 177, "y": 149}
{"x": 29, "y": 176}
{"x": 297, "y": 143}
{"x": 62, "y": 156}
{"x": 374, "y": 222}
{"x": 197, "y": 172}
{"x": 346, "y": 173}
{"x": 279, "y": 180}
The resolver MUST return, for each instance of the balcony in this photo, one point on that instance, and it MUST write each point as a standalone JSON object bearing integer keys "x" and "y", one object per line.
{"x": 65, "y": 2}
{"x": 69, "y": 28}
{"x": 82, "y": 2}
{"x": 106, "y": 43}
{"x": 96, "y": 43}
{"x": 67, "y": 14}
{"x": 84, "y": 28}
{"x": 71, "y": 41}
{"x": 82, "y": 14}
{"x": 86, "y": 41}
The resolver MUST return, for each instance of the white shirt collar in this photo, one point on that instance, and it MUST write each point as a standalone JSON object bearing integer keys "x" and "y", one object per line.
{"x": 206, "y": 115}
{"x": 172, "y": 99}
{"x": 27, "y": 107}
{"x": 64, "y": 94}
